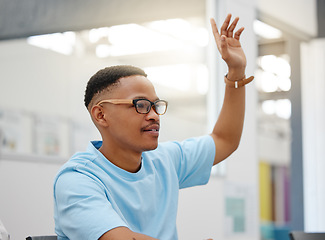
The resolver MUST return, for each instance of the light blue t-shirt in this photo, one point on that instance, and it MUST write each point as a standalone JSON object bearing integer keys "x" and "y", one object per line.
{"x": 93, "y": 196}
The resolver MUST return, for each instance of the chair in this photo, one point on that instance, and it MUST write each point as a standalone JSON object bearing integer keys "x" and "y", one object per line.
{"x": 296, "y": 235}
{"x": 51, "y": 237}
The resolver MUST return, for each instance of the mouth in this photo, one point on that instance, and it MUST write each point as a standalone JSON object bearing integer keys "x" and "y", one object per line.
{"x": 152, "y": 128}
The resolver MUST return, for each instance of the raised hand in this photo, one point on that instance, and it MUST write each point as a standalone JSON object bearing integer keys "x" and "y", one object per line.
{"x": 229, "y": 45}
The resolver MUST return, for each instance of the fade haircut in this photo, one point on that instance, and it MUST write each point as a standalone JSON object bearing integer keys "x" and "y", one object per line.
{"x": 107, "y": 77}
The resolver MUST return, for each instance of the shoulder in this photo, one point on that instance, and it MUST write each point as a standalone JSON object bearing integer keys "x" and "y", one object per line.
{"x": 80, "y": 164}
{"x": 77, "y": 161}
{"x": 190, "y": 144}
{"x": 178, "y": 150}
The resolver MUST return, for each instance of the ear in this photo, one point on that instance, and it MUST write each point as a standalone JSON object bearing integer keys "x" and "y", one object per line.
{"x": 98, "y": 115}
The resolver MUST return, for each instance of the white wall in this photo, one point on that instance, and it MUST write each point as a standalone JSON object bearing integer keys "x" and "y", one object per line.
{"x": 31, "y": 76}
{"x": 26, "y": 204}
{"x": 313, "y": 110}
{"x": 299, "y": 14}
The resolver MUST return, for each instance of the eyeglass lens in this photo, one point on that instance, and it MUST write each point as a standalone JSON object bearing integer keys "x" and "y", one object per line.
{"x": 144, "y": 106}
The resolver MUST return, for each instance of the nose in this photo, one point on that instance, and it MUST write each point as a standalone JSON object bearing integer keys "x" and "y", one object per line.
{"x": 152, "y": 115}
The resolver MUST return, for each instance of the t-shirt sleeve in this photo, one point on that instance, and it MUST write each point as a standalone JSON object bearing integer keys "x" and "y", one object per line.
{"x": 193, "y": 159}
{"x": 82, "y": 209}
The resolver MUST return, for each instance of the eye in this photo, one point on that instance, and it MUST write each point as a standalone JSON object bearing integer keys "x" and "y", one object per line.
{"x": 141, "y": 104}
{"x": 160, "y": 107}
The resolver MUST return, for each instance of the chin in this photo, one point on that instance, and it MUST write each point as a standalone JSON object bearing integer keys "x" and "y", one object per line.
{"x": 151, "y": 147}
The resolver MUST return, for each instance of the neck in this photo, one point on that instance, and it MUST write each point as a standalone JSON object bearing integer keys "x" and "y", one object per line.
{"x": 126, "y": 159}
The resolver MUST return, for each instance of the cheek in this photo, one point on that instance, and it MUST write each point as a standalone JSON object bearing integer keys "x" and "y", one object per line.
{"x": 127, "y": 124}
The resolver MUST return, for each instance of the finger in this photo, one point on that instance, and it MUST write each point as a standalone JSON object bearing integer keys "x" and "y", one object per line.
{"x": 215, "y": 30}
{"x": 225, "y": 25}
{"x": 238, "y": 33}
{"x": 232, "y": 27}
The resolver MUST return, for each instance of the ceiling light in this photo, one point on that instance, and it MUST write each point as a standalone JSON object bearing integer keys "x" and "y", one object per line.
{"x": 59, "y": 42}
{"x": 269, "y": 107}
{"x": 266, "y": 31}
{"x": 283, "y": 108}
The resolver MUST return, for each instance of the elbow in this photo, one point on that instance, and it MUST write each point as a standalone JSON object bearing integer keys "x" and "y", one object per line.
{"x": 224, "y": 147}
{"x": 235, "y": 145}
{"x": 233, "y": 148}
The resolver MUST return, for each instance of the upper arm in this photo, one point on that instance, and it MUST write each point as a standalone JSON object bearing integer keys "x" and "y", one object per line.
{"x": 82, "y": 208}
{"x": 124, "y": 233}
{"x": 193, "y": 158}
{"x": 223, "y": 148}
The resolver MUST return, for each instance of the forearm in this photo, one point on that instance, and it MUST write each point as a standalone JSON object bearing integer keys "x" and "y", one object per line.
{"x": 228, "y": 128}
{"x": 123, "y": 233}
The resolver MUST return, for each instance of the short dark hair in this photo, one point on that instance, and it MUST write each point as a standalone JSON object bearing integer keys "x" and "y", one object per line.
{"x": 106, "y": 77}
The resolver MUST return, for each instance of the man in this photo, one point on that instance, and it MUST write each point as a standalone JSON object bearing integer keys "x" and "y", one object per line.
{"x": 126, "y": 186}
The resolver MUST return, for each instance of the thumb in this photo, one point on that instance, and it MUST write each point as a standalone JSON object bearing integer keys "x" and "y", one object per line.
{"x": 223, "y": 48}
{"x": 223, "y": 42}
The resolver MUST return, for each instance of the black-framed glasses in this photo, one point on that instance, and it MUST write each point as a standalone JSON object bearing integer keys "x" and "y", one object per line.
{"x": 142, "y": 106}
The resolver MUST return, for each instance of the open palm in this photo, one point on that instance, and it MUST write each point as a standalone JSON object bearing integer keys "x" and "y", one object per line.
{"x": 228, "y": 43}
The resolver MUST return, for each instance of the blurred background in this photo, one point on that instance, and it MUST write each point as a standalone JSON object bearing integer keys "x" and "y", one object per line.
{"x": 271, "y": 185}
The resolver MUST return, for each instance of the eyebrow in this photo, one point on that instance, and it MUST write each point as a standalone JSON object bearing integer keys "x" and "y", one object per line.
{"x": 141, "y": 97}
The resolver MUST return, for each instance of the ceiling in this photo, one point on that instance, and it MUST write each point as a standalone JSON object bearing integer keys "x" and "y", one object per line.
{"x": 21, "y": 18}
